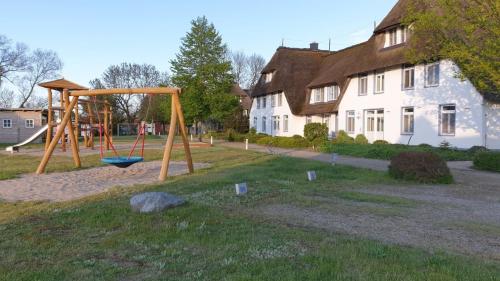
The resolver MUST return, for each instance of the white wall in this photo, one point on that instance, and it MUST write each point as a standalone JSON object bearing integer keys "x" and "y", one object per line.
{"x": 426, "y": 101}
{"x": 295, "y": 123}
{"x": 492, "y": 124}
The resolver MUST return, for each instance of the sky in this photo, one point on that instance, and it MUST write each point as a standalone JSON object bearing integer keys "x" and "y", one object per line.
{"x": 90, "y": 35}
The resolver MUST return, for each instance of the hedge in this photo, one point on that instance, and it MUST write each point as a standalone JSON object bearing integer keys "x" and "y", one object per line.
{"x": 487, "y": 160}
{"x": 424, "y": 167}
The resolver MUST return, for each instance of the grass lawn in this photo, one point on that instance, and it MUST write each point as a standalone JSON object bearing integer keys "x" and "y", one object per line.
{"x": 386, "y": 152}
{"x": 215, "y": 236}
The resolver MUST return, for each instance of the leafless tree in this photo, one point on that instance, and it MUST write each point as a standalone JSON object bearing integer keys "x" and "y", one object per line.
{"x": 43, "y": 65}
{"x": 129, "y": 75}
{"x": 13, "y": 58}
{"x": 239, "y": 67}
{"x": 6, "y": 98}
{"x": 255, "y": 64}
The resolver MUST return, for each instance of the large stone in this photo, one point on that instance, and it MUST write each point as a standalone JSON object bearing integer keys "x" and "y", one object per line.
{"x": 150, "y": 202}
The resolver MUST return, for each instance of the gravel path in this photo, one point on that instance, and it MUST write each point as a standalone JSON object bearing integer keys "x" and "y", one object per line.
{"x": 77, "y": 184}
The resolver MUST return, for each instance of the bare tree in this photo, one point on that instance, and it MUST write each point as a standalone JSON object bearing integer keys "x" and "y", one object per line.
{"x": 239, "y": 67}
{"x": 6, "y": 98}
{"x": 13, "y": 58}
{"x": 43, "y": 65}
{"x": 255, "y": 64}
{"x": 129, "y": 75}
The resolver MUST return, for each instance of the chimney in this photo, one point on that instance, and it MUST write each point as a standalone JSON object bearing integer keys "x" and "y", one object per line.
{"x": 314, "y": 46}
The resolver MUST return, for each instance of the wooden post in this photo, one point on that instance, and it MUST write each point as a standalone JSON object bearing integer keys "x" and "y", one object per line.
{"x": 71, "y": 130}
{"x": 77, "y": 126}
{"x": 170, "y": 143}
{"x": 53, "y": 143}
{"x": 182, "y": 125}
{"x": 49, "y": 120}
{"x": 61, "y": 113}
{"x": 106, "y": 128}
{"x": 91, "y": 121}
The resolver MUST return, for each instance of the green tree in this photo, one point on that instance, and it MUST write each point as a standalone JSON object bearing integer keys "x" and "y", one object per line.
{"x": 465, "y": 31}
{"x": 203, "y": 71}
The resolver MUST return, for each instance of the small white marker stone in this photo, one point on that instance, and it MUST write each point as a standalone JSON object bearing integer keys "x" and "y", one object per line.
{"x": 311, "y": 175}
{"x": 211, "y": 140}
{"x": 246, "y": 144}
{"x": 241, "y": 188}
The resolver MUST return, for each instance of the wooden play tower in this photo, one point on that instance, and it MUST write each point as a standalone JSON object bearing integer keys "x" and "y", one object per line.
{"x": 69, "y": 94}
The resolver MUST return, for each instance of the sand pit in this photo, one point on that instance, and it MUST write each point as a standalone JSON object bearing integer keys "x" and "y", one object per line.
{"x": 77, "y": 184}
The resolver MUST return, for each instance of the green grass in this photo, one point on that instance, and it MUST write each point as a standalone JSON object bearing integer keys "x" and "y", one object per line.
{"x": 215, "y": 236}
{"x": 386, "y": 152}
{"x": 375, "y": 198}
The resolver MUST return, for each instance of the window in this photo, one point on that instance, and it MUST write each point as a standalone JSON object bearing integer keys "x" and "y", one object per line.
{"x": 273, "y": 100}
{"x": 280, "y": 99}
{"x": 264, "y": 101}
{"x": 268, "y": 77}
{"x": 404, "y": 34}
{"x": 255, "y": 123}
{"x": 432, "y": 75}
{"x": 370, "y": 121}
{"x": 393, "y": 37}
{"x": 264, "y": 124}
{"x": 408, "y": 78}
{"x": 408, "y": 120}
{"x": 308, "y": 119}
{"x": 276, "y": 123}
{"x": 318, "y": 94}
{"x": 350, "y": 121}
{"x": 332, "y": 93}
{"x": 29, "y": 123}
{"x": 285, "y": 123}
{"x": 380, "y": 120}
{"x": 447, "y": 120}
{"x": 379, "y": 83}
{"x": 7, "y": 123}
{"x": 258, "y": 103}
{"x": 363, "y": 84}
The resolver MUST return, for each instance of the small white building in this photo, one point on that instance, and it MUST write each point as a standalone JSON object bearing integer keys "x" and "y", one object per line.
{"x": 371, "y": 89}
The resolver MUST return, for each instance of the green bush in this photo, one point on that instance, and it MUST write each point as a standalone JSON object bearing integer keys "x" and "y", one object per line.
{"x": 380, "y": 142}
{"x": 487, "y": 160}
{"x": 316, "y": 132}
{"x": 230, "y": 135}
{"x": 252, "y": 131}
{"x": 265, "y": 140}
{"x": 343, "y": 138}
{"x": 425, "y": 167}
{"x": 425, "y": 145}
{"x": 475, "y": 149}
{"x": 285, "y": 142}
{"x": 253, "y": 138}
{"x": 360, "y": 139}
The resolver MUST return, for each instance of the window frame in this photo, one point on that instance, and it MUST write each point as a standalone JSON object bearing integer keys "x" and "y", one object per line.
{"x": 393, "y": 36}
{"x": 264, "y": 102}
{"x": 273, "y": 101}
{"x": 264, "y": 127}
{"x": 285, "y": 123}
{"x": 258, "y": 102}
{"x": 32, "y": 123}
{"x": 348, "y": 116}
{"x": 403, "y": 79}
{"x": 363, "y": 77}
{"x": 275, "y": 126}
{"x": 377, "y": 75}
{"x": 426, "y": 73}
{"x": 268, "y": 77}
{"x": 441, "y": 112}
{"x": 280, "y": 99}
{"x": 403, "y": 114}
{"x": 10, "y": 123}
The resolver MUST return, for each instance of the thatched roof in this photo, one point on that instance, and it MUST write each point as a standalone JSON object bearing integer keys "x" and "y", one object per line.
{"x": 61, "y": 84}
{"x": 292, "y": 70}
{"x": 246, "y": 102}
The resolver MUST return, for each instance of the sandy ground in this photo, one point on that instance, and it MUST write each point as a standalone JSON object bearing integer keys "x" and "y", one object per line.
{"x": 77, "y": 184}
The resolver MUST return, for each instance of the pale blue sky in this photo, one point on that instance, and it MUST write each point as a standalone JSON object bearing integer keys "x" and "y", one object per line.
{"x": 91, "y": 35}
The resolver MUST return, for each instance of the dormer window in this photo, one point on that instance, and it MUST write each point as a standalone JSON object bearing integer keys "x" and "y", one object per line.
{"x": 404, "y": 34}
{"x": 393, "y": 37}
{"x": 332, "y": 93}
{"x": 268, "y": 77}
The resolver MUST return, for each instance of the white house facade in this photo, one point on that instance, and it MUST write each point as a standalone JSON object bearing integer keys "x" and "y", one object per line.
{"x": 371, "y": 89}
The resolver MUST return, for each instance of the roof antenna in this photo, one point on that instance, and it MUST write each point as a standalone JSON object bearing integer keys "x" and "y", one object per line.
{"x": 329, "y": 43}
{"x": 282, "y": 42}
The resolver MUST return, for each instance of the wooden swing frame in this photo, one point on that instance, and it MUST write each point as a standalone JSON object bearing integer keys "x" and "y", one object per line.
{"x": 176, "y": 116}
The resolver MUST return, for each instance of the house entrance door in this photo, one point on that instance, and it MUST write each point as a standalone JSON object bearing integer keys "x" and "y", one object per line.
{"x": 374, "y": 124}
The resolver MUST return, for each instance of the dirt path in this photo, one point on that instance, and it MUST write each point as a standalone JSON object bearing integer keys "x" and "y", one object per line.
{"x": 77, "y": 184}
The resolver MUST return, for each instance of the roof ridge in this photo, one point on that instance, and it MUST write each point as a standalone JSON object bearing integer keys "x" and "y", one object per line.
{"x": 303, "y": 49}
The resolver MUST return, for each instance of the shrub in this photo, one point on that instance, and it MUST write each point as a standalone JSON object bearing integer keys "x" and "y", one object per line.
{"x": 252, "y": 131}
{"x": 253, "y": 138}
{"x": 343, "y": 138}
{"x": 360, "y": 139}
{"x": 316, "y": 132}
{"x": 230, "y": 135}
{"x": 380, "y": 142}
{"x": 475, "y": 149}
{"x": 425, "y": 167}
{"x": 265, "y": 140}
{"x": 487, "y": 160}
{"x": 425, "y": 145}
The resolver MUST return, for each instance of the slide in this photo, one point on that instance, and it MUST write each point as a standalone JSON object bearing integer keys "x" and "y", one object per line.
{"x": 28, "y": 140}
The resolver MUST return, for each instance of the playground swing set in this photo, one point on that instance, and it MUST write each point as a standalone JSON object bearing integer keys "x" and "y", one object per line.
{"x": 70, "y": 94}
